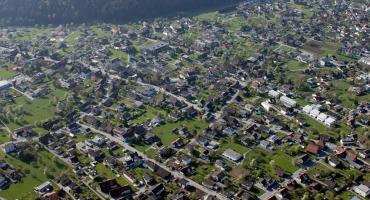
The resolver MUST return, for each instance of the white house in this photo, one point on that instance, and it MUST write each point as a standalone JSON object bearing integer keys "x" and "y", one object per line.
{"x": 232, "y": 155}
{"x": 273, "y": 94}
{"x": 362, "y": 190}
{"x": 288, "y": 102}
{"x": 322, "y": 117}
{"x": 314, "y": 113}
{"x": 307, "y": 109}
{"x": 266, "y": 105}
{"x": 330, "y": 121}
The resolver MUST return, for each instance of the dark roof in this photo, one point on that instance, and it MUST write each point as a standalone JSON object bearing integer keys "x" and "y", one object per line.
{"x": 108, "y": 185}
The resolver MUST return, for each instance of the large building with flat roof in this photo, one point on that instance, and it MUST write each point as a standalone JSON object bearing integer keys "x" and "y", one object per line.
{"x": 233, "y": 155}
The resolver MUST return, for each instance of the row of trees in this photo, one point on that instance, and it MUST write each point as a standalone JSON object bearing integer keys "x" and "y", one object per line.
{"x": 30, "y": 12}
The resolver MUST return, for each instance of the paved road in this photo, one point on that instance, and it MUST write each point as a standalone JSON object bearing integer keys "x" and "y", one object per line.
{"x": 157, "y": 88}
{"x": 70, "y": 165}
{"x": 268, "y": 194}
{"x": 174, "y": 173}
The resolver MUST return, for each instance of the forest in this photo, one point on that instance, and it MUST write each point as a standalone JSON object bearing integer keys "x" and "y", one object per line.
{"x": 31, "y": 12}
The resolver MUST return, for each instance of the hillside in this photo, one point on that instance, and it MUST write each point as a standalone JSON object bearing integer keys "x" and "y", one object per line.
{"x": 29, "y": 12}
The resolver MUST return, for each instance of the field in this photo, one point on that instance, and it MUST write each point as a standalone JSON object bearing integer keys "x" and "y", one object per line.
{"x": 347, "y": 98}
{"x": 262, "y": 163}
{"x": 164, "y": 132}
{"x": 5, "y": 74}
{"x": 109, "y": 174}
{"x": 31, "y": 34}
{"x": 34, "y": 111}
{"x": 230, "y": 144}
{"x": 44, "y": 168}
{"x": 4, "y": 136}
{"x": 202, "y": 170}
{"x": 123, "y": 56}
{"x": 320, "y": 48}
{"x": 294, "y": 65}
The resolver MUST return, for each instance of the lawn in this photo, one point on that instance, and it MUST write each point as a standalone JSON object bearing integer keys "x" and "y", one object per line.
{"x": 44, "y": 168}
{"x": 230, "y": 144}
{"x": 164, "y": 132}
{"x": 313, "y": 123}
{"x": 31, "y": 34}
{"x": 123, "y": 56}
{"x": 202, "y": 170}
{"x": 235, "y": 24}
{"x": 285, "y": 162}
{"x": 319, "y": 171}
{"x": 4, "y": 136}
{"x": 148, "y": 115}
{"x": 140, "y": 171}
{"x": 72, "y": 37}
{"x": 261, "y": 163}
{"x": 294, "y": 65}
{"x": 108, "y": 173}
{"x": 5, "y": 74}
{"x": 348, "y": 99}
{"x": 35, "y": 111}
{"x": 151, "y": 153}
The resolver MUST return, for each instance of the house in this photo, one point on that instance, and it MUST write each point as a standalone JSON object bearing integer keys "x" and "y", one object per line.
{"x": 363, "y": 190}
{"x": 266, "y": 105}
{"x": 268, "y": 182}
{"x": 98, "y": 141}
{"x": 219, "y": 176}
{"x": 156, "y": 48}
{"x": 164, "y": 174}
{"x": 301, "y": 161}
{"x": 220, "y": 164}
{"x": 330, "y": 121}
{"x": 50, "y": 196}
{"x": 229, "y": 131}
{"x": 24, "y": 132}
{"x": 273, "y": 94}
{"x": 4, "y": 85}
{"x": 9, "y": 148}
{"x": 313, "y": 148}
{"x": 340, "y": 151}
{"x": 349, "y": 140}
{"x": 156, "y": 192}
{"x": 333, "y": 162}
{"x": 288, "y": 102}
{"x": 166, "y": 152}
{"x": 148, "y": 179}
{"x": 247, "y": 184}
{"x": 126, "y": 135}
{"x": 4, "y": 182}
{"x": 150, "y": 138}
{"x": 232, "y": 155}
{"x": 364, "y": 154}
{"x": 282, "y": 193}
{"x": 44, "y": 188}
{"x": 114, "y": 190}
{"x": 183, "y": 183}
{"x": 303, "y": 179}
{"x": 209, "y": 183}
{"x": 95, "y": 155}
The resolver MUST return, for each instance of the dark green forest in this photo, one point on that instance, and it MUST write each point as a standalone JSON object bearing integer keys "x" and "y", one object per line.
{"x": 30, "y": 12}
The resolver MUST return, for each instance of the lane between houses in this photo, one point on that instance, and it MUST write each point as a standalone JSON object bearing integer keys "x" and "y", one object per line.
{"x": 176, "y": 174}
